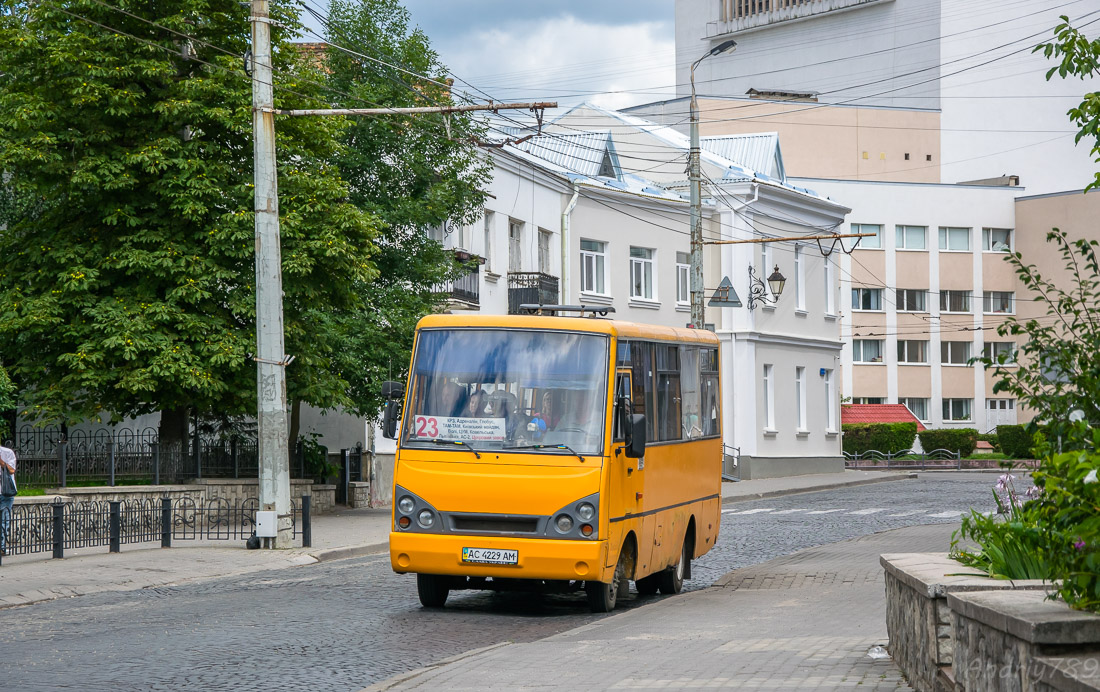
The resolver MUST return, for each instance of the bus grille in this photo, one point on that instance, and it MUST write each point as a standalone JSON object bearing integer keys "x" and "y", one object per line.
{"x": 495, "y": 524}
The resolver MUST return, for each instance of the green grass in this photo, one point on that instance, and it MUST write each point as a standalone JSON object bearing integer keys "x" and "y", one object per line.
{"x": 25, "y": 492}
{"x": 996, "y": 456}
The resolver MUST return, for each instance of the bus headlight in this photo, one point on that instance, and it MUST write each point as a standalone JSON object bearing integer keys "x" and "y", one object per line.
{"x": 425, "y": 518}
{"x": 586, "y": 511}
{"x": 564, "y": 523}
{"x": 406, "y": 505}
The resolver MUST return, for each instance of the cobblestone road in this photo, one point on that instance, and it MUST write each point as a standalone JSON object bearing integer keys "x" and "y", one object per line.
{"x": 346, "y": 624}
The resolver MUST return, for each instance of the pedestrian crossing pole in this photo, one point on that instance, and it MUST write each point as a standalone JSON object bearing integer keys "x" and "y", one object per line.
{"x": 271, "y": 413}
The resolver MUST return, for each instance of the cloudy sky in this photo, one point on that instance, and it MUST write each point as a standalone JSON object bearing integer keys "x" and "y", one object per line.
{"x": 613, "y": 53}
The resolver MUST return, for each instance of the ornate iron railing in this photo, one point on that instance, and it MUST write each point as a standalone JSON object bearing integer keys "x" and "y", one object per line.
{"x": 59, "y": 525}
{"x": 531, "y": 288}
{"x": 904, "y": 459}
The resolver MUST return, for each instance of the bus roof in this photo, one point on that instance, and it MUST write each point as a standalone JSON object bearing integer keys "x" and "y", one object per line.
{"x": 617, "y": 328}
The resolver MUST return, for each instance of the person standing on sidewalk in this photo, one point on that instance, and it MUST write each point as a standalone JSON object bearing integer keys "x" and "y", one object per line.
{"x": 7, "y": 461}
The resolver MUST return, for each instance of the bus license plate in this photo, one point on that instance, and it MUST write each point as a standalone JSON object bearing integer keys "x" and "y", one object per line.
{"x": 489, "y": 556}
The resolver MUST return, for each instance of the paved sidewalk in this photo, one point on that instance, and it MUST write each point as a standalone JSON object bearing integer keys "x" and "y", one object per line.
{"x": 27, "y": 579}
{"x": 805, "y": 621}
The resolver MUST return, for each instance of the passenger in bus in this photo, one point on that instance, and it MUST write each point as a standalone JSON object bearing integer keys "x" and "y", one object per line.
{"x": 451, "y": 401}
{"x": 476, "y": 405}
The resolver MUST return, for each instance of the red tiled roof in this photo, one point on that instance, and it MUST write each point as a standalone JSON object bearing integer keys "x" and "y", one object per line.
{"x": 878, "y": 413}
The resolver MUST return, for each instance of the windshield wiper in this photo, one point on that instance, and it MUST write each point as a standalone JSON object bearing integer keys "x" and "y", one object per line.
{"x": 565, "y": 447}
{"x": 438, "y": 441}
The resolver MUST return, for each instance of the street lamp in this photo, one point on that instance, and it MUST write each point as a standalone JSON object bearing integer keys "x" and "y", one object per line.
{"x": 695, "y": 176}
{"x": 758, "y": 294}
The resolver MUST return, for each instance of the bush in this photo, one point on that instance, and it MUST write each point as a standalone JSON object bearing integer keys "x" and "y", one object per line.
{"x": 1016, "y": 442}
{"x": 884, "y": 437}
{"x": 961, "y": 440}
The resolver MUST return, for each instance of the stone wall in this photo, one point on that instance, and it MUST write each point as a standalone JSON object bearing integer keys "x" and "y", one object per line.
{"x": 918, "y": 619}
{"x": 359, "y": 494}
{"x": 323, "y": 497}
{"x": 1019, "y": 641}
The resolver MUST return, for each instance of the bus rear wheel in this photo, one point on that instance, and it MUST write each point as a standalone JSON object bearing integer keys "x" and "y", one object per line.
{"x": 647, "y": 586}
{"x": 432, "y": 589}
{"x": 672, "y": 578}
{"x": 602, "y": 597}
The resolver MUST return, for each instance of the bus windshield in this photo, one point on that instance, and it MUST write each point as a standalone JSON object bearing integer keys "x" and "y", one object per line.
{"x": 508, "y": 389}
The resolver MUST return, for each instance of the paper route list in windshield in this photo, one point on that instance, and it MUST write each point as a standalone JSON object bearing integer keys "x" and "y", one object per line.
{"x": 456, "y": 428}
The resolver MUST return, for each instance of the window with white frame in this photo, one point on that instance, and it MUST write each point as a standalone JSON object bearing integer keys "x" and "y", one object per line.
{"x": 917, "y": 406}
{"x": 867, "y": 299}
{"x": 769, "y": 398}
{"x": 911, "y": 237}
{"x": 1000, "y": 404}
{"x": 830, "y": 403}
{"x": 515, "y": 245}
{"x": 912, "y": 351}
{"x": 912, "y": 300}
{"x": 997, "y": 239}
{"x": 488, "y": 249}
{"x": 869, "y": 400}
{"x": 544, "y": 251}
{"x": 870, "y": 242}
{"x": 867, "y": 350}
{"x": 954, "y": 301}
{"x": 995, "y": 350}
{"x": 593, "y": 266}
{"x": 998, "y": 302}
{"x": 955, "y": 352}
{"x": 954, "y": 238}
{"x": 800, "y": 395}
{"x": 683, "y": 278}
{"x": 956, "y": 409}
{"x": 641, "y": 273}
{"x": 799, "y": 279}
{"x": 830, "y": 290}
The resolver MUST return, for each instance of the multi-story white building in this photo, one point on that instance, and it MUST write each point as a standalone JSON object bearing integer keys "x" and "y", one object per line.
{"x": 924, "y": 295}
{"x": 916, "y": 90}
{"x": 571, "y": 219}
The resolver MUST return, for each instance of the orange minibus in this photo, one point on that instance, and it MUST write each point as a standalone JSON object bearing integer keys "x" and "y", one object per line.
{"x": 554, "y": 451}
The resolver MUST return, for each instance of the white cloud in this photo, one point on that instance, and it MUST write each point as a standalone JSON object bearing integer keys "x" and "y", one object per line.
{"x": 566, "y": 59}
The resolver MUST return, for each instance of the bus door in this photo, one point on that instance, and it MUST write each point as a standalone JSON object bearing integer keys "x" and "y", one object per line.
{"x": 627, "y": 476}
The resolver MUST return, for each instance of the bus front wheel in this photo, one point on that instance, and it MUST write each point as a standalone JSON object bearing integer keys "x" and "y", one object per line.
{"x": 432, "y": 589}
{"x": 601, "y": 596}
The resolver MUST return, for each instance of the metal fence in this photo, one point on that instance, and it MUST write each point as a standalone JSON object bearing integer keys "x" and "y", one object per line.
{"x": 907, "y": 459}
{"x": 49, "y": 458}
{"x": 59, "y": 526}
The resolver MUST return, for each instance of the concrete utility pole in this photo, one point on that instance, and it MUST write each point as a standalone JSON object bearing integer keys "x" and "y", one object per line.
{"x": 271, "y": 359}
{"x": 271, "y": 415}
{"x": 695, "y": 176}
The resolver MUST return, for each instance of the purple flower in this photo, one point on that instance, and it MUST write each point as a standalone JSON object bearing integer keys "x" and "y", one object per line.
{"x": 1080, "y": 545}
{"x": 1004, "y": 480}
{"x": 1034, "y": 492}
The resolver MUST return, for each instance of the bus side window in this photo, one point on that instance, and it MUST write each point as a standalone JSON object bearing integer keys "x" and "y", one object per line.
{"x": 644, "y": 397}
{"x": 691, "y": 422}
{"x": 668, "y": 422}
{"x": 622, "y": 390}
{"x": 711, "y": 396}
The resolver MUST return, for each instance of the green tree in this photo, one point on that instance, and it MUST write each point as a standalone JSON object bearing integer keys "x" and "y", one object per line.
{"x": 7, "y": 401}
{"x": 1078, "y": 56}
{"x": 412, "y": 172}
{"x": 126, "y": 147}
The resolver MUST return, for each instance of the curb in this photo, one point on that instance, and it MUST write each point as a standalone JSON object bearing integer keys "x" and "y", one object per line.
{"x": 348, "y": 551}
{"x": 830, "y": 486}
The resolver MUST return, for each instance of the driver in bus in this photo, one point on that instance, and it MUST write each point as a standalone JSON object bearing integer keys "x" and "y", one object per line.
{"x": 576, "y": 423}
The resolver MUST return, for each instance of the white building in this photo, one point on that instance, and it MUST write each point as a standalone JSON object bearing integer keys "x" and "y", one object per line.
{"x": 567, "y": 214}
{"x": 925, "y": 295}
{"x": 957, "y": 86}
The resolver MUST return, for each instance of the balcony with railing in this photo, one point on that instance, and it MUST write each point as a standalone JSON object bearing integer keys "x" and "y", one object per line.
{"x": 464, "y": 291}
{"x": 533, "y": 288}
{"x": 739, "y": 15}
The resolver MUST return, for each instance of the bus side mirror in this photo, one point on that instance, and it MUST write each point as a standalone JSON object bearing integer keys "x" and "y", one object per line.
{"x": 392, "y": 393}
{"x": 635, "y": 436}
{"x": 392, "y": 390}
{"x": 389, "y": 419}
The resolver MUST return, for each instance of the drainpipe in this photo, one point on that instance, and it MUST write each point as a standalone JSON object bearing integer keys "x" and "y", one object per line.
{"x": 565, "y": 273}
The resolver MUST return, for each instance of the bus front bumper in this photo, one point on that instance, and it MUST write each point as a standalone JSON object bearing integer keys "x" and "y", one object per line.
{"x": 538, "y": 558}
